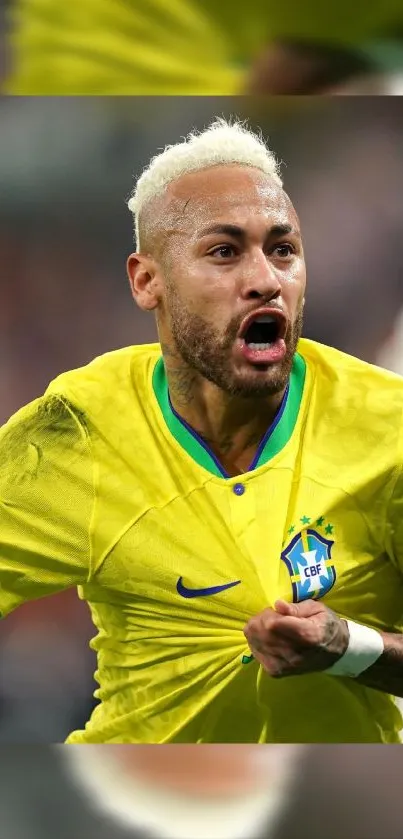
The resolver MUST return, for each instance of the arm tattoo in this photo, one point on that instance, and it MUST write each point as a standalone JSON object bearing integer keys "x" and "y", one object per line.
{"x": 386, "y": 674}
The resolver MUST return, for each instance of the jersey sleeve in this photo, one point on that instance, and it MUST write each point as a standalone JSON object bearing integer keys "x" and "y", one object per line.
{"x": 338, "y": 22}
{"x": 394, "y": 522}
{"x": 46, "y": 502}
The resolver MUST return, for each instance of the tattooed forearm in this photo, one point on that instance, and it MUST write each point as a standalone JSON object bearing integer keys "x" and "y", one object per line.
{"x": 387, "y": 673}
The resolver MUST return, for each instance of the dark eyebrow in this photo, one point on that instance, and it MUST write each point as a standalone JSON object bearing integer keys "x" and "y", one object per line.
{"x": 239, "y": 233}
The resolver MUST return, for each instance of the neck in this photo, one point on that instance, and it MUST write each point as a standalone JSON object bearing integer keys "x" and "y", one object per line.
{"x": 232, "y": 426}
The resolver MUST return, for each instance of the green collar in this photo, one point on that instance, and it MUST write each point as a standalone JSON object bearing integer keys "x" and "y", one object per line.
{"x": 276, "y": 437}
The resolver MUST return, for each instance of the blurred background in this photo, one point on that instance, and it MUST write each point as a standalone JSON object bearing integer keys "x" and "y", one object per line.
{"x": 93, "y": 792}
{"x": 66, "y": 169}
{"x": 110, "y": 47}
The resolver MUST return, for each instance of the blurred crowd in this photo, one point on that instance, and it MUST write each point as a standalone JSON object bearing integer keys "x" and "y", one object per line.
{"x": 106, "y": 47}
{"x": 66, "y": 169}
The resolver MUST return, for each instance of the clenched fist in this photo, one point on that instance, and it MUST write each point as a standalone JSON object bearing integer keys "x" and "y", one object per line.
{"x": 296, "y": 638}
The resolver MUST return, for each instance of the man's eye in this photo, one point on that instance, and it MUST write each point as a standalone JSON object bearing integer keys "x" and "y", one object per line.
{"x": 224, "y": 251}
{"x": 283, "y": 250}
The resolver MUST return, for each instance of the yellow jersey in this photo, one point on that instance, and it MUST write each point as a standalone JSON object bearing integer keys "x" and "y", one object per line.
{"x": 180, "y": 47}
{"x": 103, "y": 486}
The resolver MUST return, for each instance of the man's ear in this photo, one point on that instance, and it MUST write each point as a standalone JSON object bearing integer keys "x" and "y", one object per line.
{"x": 142, "y": 272}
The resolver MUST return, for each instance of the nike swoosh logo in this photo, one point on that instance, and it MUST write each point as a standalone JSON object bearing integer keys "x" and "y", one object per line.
{"x": 202, "y": 592}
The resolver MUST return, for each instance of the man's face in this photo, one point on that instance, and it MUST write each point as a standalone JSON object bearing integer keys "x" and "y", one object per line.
{"x": 232, "y": 247}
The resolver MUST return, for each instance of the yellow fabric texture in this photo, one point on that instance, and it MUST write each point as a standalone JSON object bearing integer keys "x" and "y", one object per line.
{"x": 147, "y": 47}
{"x": 125, "y": 47}
{"x": 96, "y": 492}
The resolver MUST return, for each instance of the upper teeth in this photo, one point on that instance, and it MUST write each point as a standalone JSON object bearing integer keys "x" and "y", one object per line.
{"x": 264, "y": 319}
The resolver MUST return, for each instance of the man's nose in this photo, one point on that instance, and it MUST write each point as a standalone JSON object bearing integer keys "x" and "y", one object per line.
{"x": 261, "y": 279}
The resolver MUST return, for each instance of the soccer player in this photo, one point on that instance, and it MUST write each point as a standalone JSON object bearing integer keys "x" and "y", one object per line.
{"x": 105, "y": 47}
{"x": 229, "y": 500}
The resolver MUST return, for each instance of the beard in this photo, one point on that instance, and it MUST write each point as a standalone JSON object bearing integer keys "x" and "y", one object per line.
{"x": 209, "y": 353}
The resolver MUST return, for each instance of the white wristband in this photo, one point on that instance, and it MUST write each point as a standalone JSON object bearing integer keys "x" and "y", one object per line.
{"x": 365, "y": 646}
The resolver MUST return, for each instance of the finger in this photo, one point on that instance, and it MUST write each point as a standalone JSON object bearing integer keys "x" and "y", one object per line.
{"x": 305, "y": 609}
{"x": 277, "y": 632}
{"x": 284, "y": 608}
{"x": 262, "y": 621}
{"x": 273, "y": 664}
{"x": 278, "y": 663}
{"x": 298, "y": 632}
{"x": 273, "y": 644}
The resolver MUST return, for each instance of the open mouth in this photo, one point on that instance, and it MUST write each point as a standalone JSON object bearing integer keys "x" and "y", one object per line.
{"x": 262, "y": 337}
{"x": 261, "y": 331}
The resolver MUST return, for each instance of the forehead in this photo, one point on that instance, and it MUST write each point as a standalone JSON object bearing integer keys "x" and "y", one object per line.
{"x": 234, "y": 194}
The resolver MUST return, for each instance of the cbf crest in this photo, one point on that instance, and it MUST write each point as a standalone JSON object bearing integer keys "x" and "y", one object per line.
{"x": 308, "y": 557}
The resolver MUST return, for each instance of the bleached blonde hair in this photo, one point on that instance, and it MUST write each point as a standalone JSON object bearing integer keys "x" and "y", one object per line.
{"x": 223, "y": 142}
